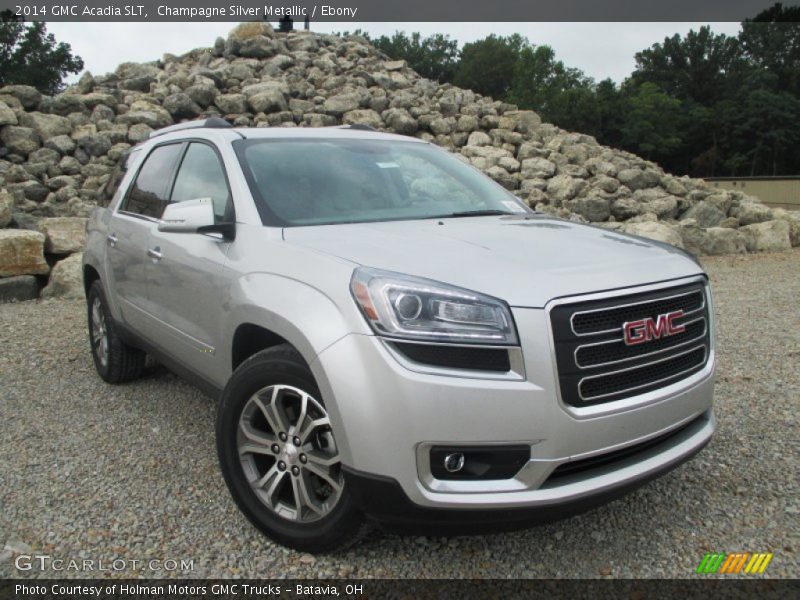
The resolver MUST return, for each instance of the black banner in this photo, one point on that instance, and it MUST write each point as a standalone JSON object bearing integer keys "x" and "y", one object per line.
{"x": 362, "y": 11}
{"x": 596, "y": 589}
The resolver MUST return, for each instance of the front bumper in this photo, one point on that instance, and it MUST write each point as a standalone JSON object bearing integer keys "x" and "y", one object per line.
{"x": 387, "y": 417}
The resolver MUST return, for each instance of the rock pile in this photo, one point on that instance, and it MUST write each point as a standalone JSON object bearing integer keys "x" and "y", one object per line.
{"x": 58, "y": 152}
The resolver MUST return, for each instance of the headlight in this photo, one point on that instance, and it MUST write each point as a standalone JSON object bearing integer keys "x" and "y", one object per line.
{"x": 403, "y": 306}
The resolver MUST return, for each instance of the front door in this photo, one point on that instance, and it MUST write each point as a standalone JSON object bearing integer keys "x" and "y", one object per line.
{"x": 188, "y": 280}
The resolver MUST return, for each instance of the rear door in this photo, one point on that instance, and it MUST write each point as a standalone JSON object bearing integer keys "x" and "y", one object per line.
{"x": 129, "y": 232}
{"x": 188, "y": 281}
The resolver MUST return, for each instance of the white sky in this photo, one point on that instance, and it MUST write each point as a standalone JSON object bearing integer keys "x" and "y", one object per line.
{"x": 599, "y": 49}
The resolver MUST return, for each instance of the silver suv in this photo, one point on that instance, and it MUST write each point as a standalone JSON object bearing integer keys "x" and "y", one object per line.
{"x": 392, "y": 336}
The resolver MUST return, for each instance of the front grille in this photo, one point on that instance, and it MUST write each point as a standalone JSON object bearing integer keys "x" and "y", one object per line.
{"x": 594, "y": 363}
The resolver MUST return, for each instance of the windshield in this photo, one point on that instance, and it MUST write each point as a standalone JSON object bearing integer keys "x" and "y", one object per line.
{"x": 326, "y": 181}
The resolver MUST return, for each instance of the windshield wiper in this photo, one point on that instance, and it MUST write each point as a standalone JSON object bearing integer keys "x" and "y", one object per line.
{"x": 476, "y": 213}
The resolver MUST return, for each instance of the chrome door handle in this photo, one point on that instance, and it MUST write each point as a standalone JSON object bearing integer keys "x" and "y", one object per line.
{"x": 112, "y": 239}
{"x": 155, "y": 253}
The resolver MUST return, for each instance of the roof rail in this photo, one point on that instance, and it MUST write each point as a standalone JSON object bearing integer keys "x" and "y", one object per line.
{"x": 358, "y": 126}
{"x": 210, "y": 123}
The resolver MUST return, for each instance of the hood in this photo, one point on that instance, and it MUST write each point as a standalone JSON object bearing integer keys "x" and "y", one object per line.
{"x": 524, "y": 260}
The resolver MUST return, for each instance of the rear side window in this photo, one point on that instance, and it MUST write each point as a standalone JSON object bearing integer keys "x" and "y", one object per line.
{"x": 117, "y": 175}
{"x": 148, "y": 196}
{"x": 201, "y": 175}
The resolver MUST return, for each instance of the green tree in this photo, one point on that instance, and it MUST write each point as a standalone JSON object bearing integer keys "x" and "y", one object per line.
{"x": 651, "y": 126}
{"x": 771, "y": 41}
{"x": 31, "y": 56}
{"x": 487, "y": 65}
{"x": 702, "y": 65}
{"x": 561, "y": 95}
{"x": 434, "y": 57}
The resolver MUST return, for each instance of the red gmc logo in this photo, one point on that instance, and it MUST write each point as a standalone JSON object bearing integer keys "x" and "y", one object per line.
{"x": 644, "y": 330}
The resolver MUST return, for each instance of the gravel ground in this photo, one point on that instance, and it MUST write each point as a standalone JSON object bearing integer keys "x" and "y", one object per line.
{"x": 91, "y": 471}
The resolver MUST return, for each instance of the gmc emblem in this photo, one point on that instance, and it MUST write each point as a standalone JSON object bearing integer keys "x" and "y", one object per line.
{"x": 645, "y": 330}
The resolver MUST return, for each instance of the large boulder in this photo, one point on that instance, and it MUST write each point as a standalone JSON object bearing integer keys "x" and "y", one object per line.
{"x": 750, "y": 212}
{"x": 28, "y": 96}
{"x": 722, "y": 240}
{"x": 592, "y": 208}
{"x": 639, "y": 179}
{"x": 7, "y": 116}
{"x": 18, "y": 288}
{"x": 66, "y": 279}
{"x": 63, "y": 235}
{"x": 20, "y": 140}
{"x": 181, "y": 106}
{"x": 537, "y": 167}
{"x": 47, "y": 126}
{"x": 22, "y": 253}
{"x": 655, "y": 231}
{"x": 767, "y": 236}
{"x": 705, "y": 213}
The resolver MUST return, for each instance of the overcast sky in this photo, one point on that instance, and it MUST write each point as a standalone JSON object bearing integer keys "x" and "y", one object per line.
{"x": 600, "y": 49}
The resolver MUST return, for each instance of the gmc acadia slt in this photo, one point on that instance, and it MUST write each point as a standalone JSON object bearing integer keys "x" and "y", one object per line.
{"x": 392, "y": 336}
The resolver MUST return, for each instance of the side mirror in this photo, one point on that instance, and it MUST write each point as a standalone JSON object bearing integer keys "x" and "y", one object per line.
{"x": 187, "y": 216}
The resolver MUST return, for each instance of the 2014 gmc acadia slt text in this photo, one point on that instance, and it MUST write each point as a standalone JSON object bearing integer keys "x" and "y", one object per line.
{"x": 392, "y": 336}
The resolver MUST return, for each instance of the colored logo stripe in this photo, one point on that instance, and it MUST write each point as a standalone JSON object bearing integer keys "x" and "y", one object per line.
{"x": 734, "y": 563}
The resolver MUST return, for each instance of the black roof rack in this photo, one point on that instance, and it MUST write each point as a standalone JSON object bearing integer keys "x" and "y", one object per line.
{"x": 359, "y": 126}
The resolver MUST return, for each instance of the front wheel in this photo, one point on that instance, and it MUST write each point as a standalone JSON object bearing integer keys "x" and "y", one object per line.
{"x": 279, "y": 456}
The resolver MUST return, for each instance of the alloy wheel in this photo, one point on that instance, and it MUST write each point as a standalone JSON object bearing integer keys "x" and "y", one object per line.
{"x": 288, "y": 453}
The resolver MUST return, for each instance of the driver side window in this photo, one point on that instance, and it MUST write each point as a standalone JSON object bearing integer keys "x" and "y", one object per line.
{"x": 201, "y": 175}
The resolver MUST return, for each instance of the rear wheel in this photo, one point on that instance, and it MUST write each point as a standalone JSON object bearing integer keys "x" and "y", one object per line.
{"x": 115, "y": 361}
{"x": 279, "y": 456}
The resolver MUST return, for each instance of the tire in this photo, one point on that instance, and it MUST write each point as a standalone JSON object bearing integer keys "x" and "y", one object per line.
{"x": 273, "y": 477}
{"x": 115, "y": 361}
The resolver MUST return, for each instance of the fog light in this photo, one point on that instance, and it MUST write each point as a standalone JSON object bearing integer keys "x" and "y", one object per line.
{"x": 454, "y": 462}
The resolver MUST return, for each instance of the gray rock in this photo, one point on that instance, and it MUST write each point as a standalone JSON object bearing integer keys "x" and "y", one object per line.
{"x": 442, "y": 125}
{"x": 478, "y": 138}
{"x": 625, "y": 207}
{"x": 400, "y": 121}
{"x": 705, "y": 213}
{"x": 18, "y": 288}
{"x": 181, "y": 106}
{"x": 749, "y": 213}
{"x": 655, "y": 231}
{"x": 7, "y": 116}
{"x": 28, "y": 96}
{"x": 66, "y": 278}
{"x": 638, "y": 179}
{"x": 364, "y": 116}
{"x": 231, "y": 104}
{"x": 768, "y": 236}
{"x": 720, "y": 240}
{"x": 341, "y": 103}
{"x": 21, "y": 253}
{"x": 95, "y": 145}
{"x": 563, "y": 187}
{"x": 537, "y": 167}
{"x": 19, "y": 140}
{"x": 394, "y": 65}
{"x": 592, "y": 208}
{"x": 47, "y": 126}
{"x": 271, "y": 100}
{"x": 202, "y": 94}
{"x": 63, "y": 235}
